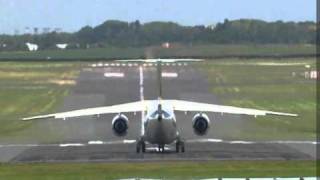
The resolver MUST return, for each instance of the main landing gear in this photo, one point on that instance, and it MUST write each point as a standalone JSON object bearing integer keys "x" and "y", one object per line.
{"x": 141, "y": 146}
{"x": 180, "y": 146}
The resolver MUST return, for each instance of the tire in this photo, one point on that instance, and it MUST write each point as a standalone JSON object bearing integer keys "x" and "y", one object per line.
{"x": 182, "y": 147}
{"x": 143, "y": 147}
{"x": 162, "y": 148}
{"x": 177, "y": 147}
{"x": 138, "y": 147}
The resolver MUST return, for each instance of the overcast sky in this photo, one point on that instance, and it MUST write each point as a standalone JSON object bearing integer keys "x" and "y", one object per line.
{"x": 70, "y": 15}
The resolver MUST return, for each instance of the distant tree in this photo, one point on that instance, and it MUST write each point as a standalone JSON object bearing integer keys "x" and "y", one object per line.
{"x": 119, "y": 33}
{"x": 85, "y": 35}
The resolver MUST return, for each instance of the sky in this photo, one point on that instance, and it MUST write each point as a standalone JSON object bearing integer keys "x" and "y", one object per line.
{"x": 71, "y": 15}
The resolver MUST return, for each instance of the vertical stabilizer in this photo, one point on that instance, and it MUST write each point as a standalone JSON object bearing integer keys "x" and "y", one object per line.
{"x": 159, "y": 67}
{"x": 159, "y": 76}
{"x": 159, "y": 112}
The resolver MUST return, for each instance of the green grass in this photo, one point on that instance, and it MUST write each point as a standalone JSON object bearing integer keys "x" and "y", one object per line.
{"x": 28, "y": 89}
{"x": 87, "y": 54}
{"x": 167, "y": 170}
{"x": 265, "y": 85}
{"x": 158, "y": 52}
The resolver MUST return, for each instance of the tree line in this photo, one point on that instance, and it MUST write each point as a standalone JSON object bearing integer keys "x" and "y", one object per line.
{"x": 135, "y": 34}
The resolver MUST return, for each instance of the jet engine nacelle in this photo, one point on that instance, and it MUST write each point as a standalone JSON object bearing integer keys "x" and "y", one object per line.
{"x": 200, "y": 124}
{"x": 120, "y": 125}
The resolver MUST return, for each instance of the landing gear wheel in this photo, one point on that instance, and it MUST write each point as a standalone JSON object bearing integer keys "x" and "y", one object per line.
{"x": 177, "y": 147}
{"x": 180, "y": 146}
{"x": 161, "y": 148}
{"x": 138, "y": 147}
{"x": 141, "y": 146}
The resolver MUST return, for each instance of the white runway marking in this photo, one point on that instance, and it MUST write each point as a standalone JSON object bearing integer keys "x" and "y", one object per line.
{"x": 125, "y": 141}
{"x": 252, "y": 142}
{"x": 95, "y": 142}
{"x": 241, "y": 142}
{"x": 26, "y": 145}
{"x": 71, "y": 145}
{"x": 106, "y": 64}
{"x": 118, "y": 75}
{"x": 205, "y": 140}
{"x": 169, "y": 75}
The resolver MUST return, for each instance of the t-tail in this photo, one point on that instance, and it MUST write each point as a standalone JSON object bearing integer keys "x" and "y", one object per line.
{"x": 159, "y": 68}
{"x": 159, "y": 79}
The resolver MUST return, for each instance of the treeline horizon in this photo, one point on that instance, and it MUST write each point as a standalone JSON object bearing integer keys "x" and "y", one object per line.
{"x": 135, "y": 34}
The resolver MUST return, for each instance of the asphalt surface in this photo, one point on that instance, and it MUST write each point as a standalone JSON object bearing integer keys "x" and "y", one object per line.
{"x": 93, "y": 89}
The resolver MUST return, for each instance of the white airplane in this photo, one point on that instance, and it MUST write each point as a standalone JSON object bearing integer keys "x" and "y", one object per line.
{"x": 159, "y": 125}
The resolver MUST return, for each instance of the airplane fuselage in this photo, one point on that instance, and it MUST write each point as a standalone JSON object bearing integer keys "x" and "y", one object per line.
{"x": 160, "y": 128}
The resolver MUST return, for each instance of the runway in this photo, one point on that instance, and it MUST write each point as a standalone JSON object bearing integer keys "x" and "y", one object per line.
{"x": 102, "y": 85}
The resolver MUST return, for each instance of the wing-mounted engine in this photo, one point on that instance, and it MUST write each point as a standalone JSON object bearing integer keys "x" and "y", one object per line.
{"x": 200, "y": 124}
{"x": 120, "y": 125}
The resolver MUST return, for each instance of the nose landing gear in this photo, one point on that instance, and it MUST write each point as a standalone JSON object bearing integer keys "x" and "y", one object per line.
{"x": 160, "y": 148}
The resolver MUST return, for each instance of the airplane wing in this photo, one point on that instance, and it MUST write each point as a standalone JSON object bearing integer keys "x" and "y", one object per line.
{"x": 180, "y": 105}
{"x": 120, "y": 108}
